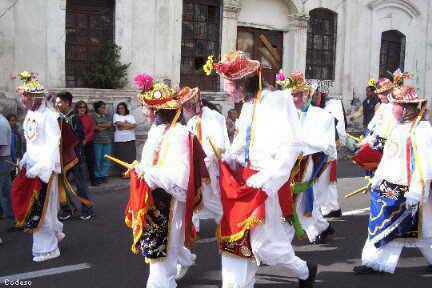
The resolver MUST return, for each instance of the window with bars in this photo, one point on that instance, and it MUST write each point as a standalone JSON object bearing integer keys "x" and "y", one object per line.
{"x": 200, "y": 38}
{"x": 321, "y": 44}
{"x": 392, "y": 52}
{"x": 89, "y": 26}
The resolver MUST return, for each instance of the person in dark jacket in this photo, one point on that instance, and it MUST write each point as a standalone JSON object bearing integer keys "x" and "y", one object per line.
{"x": 70, "y": 121}
{"x": 368, "y": 108}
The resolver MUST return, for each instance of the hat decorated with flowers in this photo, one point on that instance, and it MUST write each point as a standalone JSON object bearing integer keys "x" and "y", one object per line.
{"x": 295, "y": 81}
{"x": 30, "y": 84}
{"x": 186, "y": 94}
{"x": 394, "y": 79}
{"x": 406, "y": 94}
{"x": 156, "y": 95}
{"x": 235, "y": 66}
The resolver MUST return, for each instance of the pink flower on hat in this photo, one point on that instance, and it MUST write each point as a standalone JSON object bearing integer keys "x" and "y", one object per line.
{"x": 144, "y": 82}
{"x": 280, "y": 76}
{"x": 297, "y": 76}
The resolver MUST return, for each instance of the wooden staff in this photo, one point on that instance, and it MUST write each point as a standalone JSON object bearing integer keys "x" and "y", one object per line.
{"x": 119, "y": 162}
{"x": 354, "y": 138}
{"x": 216, "y": 150}
{"x": 363, "y": 189}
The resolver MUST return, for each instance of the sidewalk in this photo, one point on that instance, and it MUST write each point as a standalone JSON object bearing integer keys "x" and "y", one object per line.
{"x": 114, "y": 184}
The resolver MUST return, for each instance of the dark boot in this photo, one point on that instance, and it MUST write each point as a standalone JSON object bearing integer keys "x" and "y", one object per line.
{"x": 364, "y": 270}
{"x": 320, "y": 239}
{"x": 334, "y": 214}
{"x": 309, "y": 282}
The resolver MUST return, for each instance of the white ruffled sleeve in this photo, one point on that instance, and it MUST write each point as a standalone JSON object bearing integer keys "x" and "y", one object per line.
{"x": 278, "y": 168}
{"x": 173, "y": 175}
{"x": 51, "y": 160}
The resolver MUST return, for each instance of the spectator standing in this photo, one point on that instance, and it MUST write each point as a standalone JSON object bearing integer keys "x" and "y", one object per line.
{"x": 88, "y": 148}
{"x": 17, "y": 143}
{"x": 5, "y": 167}
{"x": 124, "y": 135}
{"x": 102, "y": 141}
{"x": 75, "y": 174}
{"x": 368, "y": 108}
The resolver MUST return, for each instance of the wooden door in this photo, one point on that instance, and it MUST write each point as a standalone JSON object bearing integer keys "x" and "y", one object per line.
{"x": 265, "y": 46}
{"x": 89, "y": 25}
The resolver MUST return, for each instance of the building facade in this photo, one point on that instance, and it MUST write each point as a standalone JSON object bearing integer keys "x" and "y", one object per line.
{"x": 344, "y": 42}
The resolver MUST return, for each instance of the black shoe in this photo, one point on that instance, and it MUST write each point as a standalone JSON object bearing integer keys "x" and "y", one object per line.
{"x": 429, "y": 269}
{"x": 65, "y": 215}
{"x": 87, "y": 213}
{"x": 309, "y": 282}
{"x": 94, "y": 183}
{"x": 364, "y": 270}
{"x": 98, "y": 181}
{"x": 320, "y": 239}
{"x": 334, "y": 214}
{"x": 14, "y": 229}
{"x": 104, "y": 179}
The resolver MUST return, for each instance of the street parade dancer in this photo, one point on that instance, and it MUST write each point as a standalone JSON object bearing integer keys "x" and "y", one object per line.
{"x": 329, "y": 201}
{"x": 165, "y": 186}
{"x": 255, "y": 190}
{"x": 330, "y": 206}
{"x": 400, "y": 205}
{"x": 318, "y": 149}
{"x": 207, "y": 125}
{"x": 369, "y": 152}
{"x": 35, "y": 197}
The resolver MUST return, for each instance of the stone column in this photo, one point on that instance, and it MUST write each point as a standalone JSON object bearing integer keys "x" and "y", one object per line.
{"x": 294, "y": 56}
{"x": 55, "y": 43}
{"x": 231, "y": 10}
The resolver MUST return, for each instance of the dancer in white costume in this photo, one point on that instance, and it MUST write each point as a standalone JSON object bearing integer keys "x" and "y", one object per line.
{"x": 40, "y": 167}
{"x": 266, "y": 146}
{"x": 206, "y": 123}
{"x": 318, "y": 149}
{"x": 160, "y": 228}
{"x": 329, "y": 202}
{"x": 401, "y": 206}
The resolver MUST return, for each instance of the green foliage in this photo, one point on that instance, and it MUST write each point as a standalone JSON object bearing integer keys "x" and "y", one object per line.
{"x": 105, "y": 70}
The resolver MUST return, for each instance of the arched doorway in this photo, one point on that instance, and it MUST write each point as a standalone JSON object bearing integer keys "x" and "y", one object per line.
{"x": 392, "y": 52}
{"x": 89, "y": 25}
{"x": 321, "y": 44}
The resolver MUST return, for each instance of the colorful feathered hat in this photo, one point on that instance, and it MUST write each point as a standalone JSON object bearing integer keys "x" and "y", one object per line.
{"x": 406, "y": 94}
{"x": 296, "y": 82}
{"x": 31, "y": 85}
{"x": 235, "y": 66}
{"x": 156, "y": 95}
{"x": 187, "y": 93}
{"x": 394, "y": 79}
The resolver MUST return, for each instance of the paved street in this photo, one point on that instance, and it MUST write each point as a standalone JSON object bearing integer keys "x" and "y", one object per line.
{"x": 96, "y": 253}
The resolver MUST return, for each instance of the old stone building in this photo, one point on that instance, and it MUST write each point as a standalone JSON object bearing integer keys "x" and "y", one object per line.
{"x": 342, "y": 41}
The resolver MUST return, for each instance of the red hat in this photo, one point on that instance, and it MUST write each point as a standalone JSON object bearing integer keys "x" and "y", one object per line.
{"x": 236, "y": 65}
{"x": 406, "y": 94}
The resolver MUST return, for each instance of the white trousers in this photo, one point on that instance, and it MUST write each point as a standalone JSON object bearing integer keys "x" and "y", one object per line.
{"x": 271, "y": 245}
{"x": 328, "y": 196}
{"x": 162, "y": 273}
{"x": 212, "y": 206}
{"x": 316, "y": 224}
{"x": 386, "y": 258}
{"x": 45, "y": 238}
